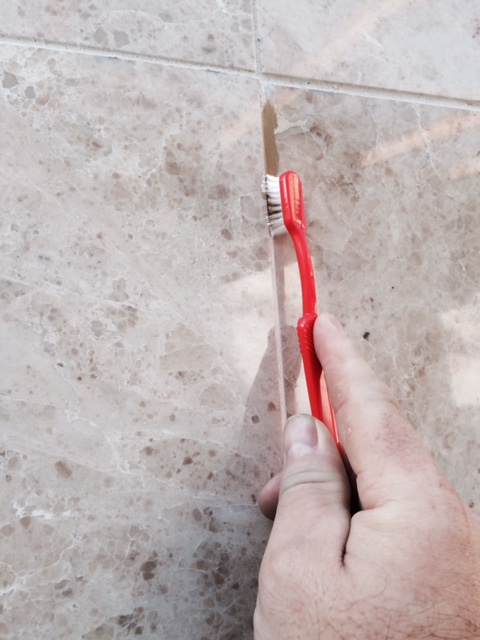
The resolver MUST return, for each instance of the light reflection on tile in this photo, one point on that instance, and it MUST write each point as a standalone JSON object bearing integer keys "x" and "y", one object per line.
{"x": 462, "y": 327}
{"x": 390, "y": 44}
{"x": 393, "y": 228}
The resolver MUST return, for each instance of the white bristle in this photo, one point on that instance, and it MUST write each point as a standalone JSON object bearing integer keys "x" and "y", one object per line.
{"x": 271, "y": 187}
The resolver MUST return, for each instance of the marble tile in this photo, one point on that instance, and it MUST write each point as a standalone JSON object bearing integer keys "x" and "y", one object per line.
{"x": 393, "y": 44}
{"x": 139, "y": 393}
{"x": 139, "y": 400}
{"x": 392, "y": 196}
{"x": 211, "y": 31}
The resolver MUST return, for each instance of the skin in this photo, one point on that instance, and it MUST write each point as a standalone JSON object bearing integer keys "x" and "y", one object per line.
{"x": 405, "y": 565}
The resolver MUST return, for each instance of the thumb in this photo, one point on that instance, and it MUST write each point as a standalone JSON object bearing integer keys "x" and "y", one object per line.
{"x": 314, "y": 497}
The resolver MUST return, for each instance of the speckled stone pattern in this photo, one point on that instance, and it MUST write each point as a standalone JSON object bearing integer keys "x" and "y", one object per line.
{"x": 141, "y": 394}
{"x": 212, "y": 31}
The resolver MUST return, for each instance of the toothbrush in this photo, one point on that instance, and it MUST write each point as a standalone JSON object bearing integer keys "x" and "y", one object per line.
{"x": 286, "y": 213}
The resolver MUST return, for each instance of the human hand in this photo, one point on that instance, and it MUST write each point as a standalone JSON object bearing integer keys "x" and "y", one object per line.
{"x": 407, "y": 565}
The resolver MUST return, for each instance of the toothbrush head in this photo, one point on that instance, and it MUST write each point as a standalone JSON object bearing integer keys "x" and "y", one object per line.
{"x": 271, "y": 188}
{"x": 285, "y": 206}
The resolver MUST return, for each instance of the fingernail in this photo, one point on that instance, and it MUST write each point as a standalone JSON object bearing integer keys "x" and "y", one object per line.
{"x": 300, "y": 436}
{"x": 336, "y": 323}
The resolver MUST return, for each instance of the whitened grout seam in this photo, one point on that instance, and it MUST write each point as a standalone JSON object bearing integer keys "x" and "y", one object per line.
{"x": 277, "y": 307}
{"x": 122, "y": 55}
{"x": 265, "y": 79}
{"x": 369, "y": 92}
{"x": 256, "y": 32}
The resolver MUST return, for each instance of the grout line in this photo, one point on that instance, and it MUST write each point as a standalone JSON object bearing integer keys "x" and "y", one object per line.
{"x": 123, "y": 55}
{"x": 265, "y": 79}
{"x": 277, "y": 271}
{"x": 369, "y": 92}
{"x": 256, "y": 35}
{"x": 278, "y": 293}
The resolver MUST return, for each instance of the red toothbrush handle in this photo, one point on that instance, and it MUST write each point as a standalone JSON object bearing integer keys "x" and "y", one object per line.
{"x": 319, "y": 397}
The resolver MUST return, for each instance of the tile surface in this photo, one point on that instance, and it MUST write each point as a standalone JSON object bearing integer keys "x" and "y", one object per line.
{"x": 139, "y": 404}
{"x": 390, "y": 44}
{"x": 136, "y": 399}
{"x": 392, "y": 195}
{"x": 218, "y": 32}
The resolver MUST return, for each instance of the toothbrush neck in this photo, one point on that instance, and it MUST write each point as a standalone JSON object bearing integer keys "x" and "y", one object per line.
{"x": 307, "y": 275}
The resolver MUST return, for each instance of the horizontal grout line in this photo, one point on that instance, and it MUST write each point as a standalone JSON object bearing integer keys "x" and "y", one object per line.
{"x": 122, "y": 55}
{"x": 265, "y": 78}
{"x": 369, "y": 92}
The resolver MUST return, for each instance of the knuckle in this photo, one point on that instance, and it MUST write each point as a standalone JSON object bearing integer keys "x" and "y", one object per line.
{"x": 301, "y": 479}
{"x": 279, "y": 565}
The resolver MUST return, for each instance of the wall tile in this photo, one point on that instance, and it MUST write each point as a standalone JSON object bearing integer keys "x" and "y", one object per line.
{"x": 390, "y": 44}
{"x": 392, "y": 199}
{"x": 140, "y": 411}
{"x": 211, "y": 32}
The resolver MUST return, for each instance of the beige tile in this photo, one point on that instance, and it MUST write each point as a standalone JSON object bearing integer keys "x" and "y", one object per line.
{"x": 392, "y": 196}
{"x": 211, "y": 31}
{"x": 140, "y": 410}
{"x": 395, "y": 44}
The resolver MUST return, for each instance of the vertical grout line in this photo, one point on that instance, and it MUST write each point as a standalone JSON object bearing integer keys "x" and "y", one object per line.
{"x": 277, "y": 274}
{"x": 271, "y": 240}
{"x": 258, "y": 49}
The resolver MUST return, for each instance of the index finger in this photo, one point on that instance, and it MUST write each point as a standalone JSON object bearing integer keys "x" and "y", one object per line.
{"x": 385, "y": 452}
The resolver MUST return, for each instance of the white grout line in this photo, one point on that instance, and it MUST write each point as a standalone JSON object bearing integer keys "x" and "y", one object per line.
{"x": 277, "y": 269}
{"x": 122, "y": 55}
{"x": 256, "y": 35}
{"x": 369, "y": 92}
{"x": 265, "y": 79}
{"x": 277, "y": 272}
